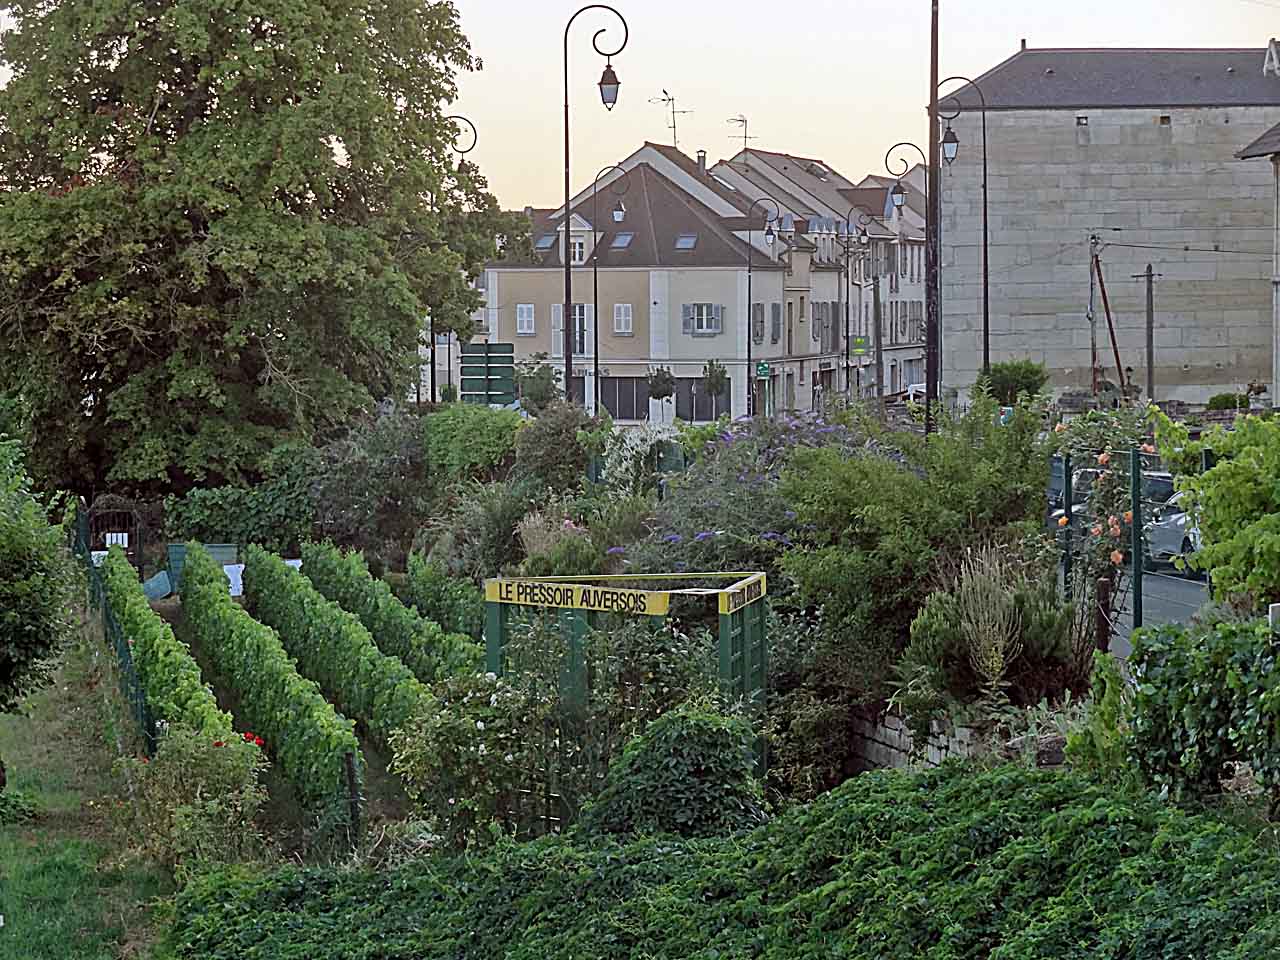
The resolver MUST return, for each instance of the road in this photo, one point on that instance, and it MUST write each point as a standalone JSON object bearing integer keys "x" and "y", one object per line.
{"x": 1165, "y": 599}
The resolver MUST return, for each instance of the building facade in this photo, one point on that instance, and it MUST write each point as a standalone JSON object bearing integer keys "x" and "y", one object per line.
{"x": 662, "y": 255}
{"x": 1130, "y": 155}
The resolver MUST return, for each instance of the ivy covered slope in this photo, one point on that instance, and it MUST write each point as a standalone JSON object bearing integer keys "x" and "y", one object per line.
{"x": 309, "y": 739}
{"x": 332, "y": 647}
{"x": 398, "y": 631}
{"x": 170, "y": 676}
{"x": 1009, "y": 864}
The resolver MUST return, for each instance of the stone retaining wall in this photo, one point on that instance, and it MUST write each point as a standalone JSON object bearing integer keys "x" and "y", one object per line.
{"x": 886, "y": 743}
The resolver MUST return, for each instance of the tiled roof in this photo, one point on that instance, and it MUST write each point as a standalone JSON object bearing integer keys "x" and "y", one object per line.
{"x": 1075, "y": 78}
{"x": 1265, "y": 146}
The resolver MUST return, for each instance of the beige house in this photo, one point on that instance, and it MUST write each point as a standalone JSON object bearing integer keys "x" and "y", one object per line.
{"x": 669, "y": 242}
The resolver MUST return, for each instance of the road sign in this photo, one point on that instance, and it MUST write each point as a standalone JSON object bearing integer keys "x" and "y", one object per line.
{"x": 488, "y": 373}
{"x": 762, "y": 371}
{"x": 859, "y": 346}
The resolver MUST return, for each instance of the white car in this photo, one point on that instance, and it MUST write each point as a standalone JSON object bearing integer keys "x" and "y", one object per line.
{"x": 1171, "y": 532}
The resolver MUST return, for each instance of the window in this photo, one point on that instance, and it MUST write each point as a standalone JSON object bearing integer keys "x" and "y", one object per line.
{"x": 546, "y": 241}
{"x": 686, "y": 241}
{"x": 524, "y": 320}
{"x": 695, "y": 405}
{"x": 815, "y": 328}
{"x": 626, "y": 398}
{"x": 578, "y": 250}
{"x": 757, "y": 322}
{"x": 622, "y": 319}
{"x": 621, "y": 241}
{"x": 702, "y": 319}
{"x": 1165, "y": 120}
{"x": 902, "y": 261}
{"x": 580, "y": 318}
{"x": 775, "y": 326}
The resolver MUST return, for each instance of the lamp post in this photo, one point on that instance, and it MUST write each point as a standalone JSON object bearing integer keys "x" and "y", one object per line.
{"x": 950, "y": 150}
{"x": 609, "y": 97}
{"x": 619, "y": 214}
{"x": 850, "y": 242}
{"x": 768, "y": 239}
{"x": 899, "y": 196}
{"x": 461, "y": 152}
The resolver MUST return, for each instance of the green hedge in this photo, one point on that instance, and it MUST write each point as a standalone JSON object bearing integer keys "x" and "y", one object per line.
{"x": 398, "y": 631}
{"x": 332, "y": 646}
{"x": 306, "y": 735}
{"x": 951, "y": 864}
{"x": 456, "y": 604}
{"x": 171, "y": 681}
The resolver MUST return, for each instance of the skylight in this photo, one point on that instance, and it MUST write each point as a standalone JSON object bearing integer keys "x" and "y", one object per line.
{"x": 686, "y": 241}
{"x": 621, "y": 241}
{"x": 546, "y": 241}
{"x": 723, "y": 182}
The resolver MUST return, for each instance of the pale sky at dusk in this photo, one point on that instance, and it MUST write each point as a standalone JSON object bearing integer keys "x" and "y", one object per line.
{"x": 838, "y": 79}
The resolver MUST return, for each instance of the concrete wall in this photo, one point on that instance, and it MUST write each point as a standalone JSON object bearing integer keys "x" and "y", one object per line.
{"x": 1134, "y": 180}
{"x": 887, "y": 744}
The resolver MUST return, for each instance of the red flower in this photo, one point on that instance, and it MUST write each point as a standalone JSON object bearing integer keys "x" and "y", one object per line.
{"x": 248, "y": 737}
{"x": 218, "y": 743}
{"x": 259, "y": 741}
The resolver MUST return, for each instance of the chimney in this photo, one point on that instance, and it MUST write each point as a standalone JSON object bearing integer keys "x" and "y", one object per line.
{"x": 1024, "y": 43}
{"x": 702, "y": 163}
{"x": 528, "y": 212}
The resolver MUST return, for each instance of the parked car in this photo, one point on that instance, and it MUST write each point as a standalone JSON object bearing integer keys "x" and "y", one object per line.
{"x": 1171, "y": 532}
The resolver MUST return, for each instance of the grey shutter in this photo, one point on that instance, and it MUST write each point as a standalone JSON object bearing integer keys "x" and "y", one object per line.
{"x": 686, "y": 318}
{"x": 757, "y": 322}
{"x": 557, "y": 330}
{"x": 717, "y": 318}
{"x": 775, "y": 334}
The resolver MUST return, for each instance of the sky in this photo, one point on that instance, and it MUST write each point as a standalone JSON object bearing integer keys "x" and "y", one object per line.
{"x": 840, "y": 80}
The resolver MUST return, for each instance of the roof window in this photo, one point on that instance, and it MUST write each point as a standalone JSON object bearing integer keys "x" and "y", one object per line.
{"x": 686, "y": 241}
{"x": 546, "y": 241}
{"x": 621, "y": 241}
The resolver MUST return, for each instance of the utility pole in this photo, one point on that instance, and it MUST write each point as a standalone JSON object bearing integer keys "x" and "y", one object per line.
{"x": 879, "y": 341}
{"x": 1093, "y": 316}
{"x": 1150, "y": 276}
{"x": 741, "y": 120}
{"x": 933, "y": 321}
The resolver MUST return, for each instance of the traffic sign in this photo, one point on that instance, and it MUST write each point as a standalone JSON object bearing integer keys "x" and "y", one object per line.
{"x": 859, "y": 346}
{"x": 762, "y": 371}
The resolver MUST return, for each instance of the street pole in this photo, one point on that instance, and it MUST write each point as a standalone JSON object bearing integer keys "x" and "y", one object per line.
{"x": 608, "y": 96}
{"x": 1151, "y": 335}
{"x": 879, "y": 341}
{"x": 461, "y": 152}
{"x": 933, "y": 206}
{"x": 768, "y": 237}
{"x": 844, "y": 291}
{"x": 1093, "y": 315}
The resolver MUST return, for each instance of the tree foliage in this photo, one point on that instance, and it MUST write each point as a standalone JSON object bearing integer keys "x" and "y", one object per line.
{"x": 1010, "y": 379}
{"x": 221, "y": 224}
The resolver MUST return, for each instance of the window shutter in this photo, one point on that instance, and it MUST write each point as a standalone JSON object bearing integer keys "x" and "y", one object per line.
{"x": 717, "y": 318}
{"x": 815, "y": 327}
{"x": 775, "y": 312}
{"x": 757, "y": 322}
{"x": 686, "y": 318}
{"x": 589, "y": 334}
{"x": 557, "y": 329}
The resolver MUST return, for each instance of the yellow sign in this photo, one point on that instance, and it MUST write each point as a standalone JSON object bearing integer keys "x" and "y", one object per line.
{"x": 578, "y": 596}
{"x": 743, "y": 593}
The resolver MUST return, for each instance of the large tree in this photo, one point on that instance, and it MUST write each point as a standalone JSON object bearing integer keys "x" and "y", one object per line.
{"x": 222, "y": 223}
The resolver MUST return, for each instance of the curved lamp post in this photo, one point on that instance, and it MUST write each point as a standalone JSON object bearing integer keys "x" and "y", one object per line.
{"x": 862, "y": 241}
{"x": 768, "y": 239}
{"x": 461, "y": 151}
{"x": 619, "y": 214}
{"x": 608, "y": 96}
{"x": 899, "y": 196}
{"x": 950, "y": 150}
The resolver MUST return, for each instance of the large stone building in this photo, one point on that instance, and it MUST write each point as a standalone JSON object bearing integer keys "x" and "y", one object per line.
{"x": 1137, "y": 149}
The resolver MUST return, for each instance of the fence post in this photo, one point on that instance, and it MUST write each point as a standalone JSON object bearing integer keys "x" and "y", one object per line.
{"x": 1139, "y": 553}
{"x": 1101, "y": 623}
{"x": 1066, "y": 539}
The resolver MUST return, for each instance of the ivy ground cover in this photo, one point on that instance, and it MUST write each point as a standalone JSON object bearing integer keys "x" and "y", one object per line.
{"x": 1009, "y": 864}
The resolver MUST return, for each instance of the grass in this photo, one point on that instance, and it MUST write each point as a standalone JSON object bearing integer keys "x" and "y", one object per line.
{"x": 68, "y": 887}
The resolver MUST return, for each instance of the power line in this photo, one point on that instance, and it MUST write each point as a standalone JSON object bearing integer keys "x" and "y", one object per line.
{"x": 1185, "y": 248}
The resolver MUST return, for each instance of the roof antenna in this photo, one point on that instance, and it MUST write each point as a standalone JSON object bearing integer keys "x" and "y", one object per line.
{"x": 741, "y": 121}
{"x": 670, "y": 99}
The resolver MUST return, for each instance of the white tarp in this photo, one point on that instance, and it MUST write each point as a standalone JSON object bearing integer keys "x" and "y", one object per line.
{"x": 235, "y": 573}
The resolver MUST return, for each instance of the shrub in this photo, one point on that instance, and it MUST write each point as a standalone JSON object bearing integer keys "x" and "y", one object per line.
{"x": 332, "y": 647}
{"x": 549, "y": 451}
{"x": 691, "y": 773}
{"x": 429, "y": 652}
{"x": 195, "y": 802}
{"x": 469, "y": 441}
{"x": 278, "y": 513}
{"x": 478, "y": 537}
{"x": 1229, "y": 401}
{"x": 1099, "y": 745}
{"x": 308, "y": 738}
{"x": 558, "y": 547}
{"x": 1012, "y": 379}
{"x": 175, "y": 692}
{"x": 457, "y": 605}
{"x": 537, "y": 383}
{"x": 448, "y": 393}
{"x": 954, "y": 863}
{"x": 1206, "y": 696}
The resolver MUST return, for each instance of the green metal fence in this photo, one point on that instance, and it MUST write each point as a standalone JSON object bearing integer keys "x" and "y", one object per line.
{"x": 99, "y": 604}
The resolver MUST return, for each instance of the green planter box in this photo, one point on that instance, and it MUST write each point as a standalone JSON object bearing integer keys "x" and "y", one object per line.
{"x": 223, "y": 553}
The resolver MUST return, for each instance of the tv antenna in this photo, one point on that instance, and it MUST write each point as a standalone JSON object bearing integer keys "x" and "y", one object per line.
{"x": 741, "y": 121}
{"x": 670, "y": 100}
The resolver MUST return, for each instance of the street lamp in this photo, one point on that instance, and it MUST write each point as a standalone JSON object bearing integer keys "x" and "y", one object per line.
{"x": 619, "y": 214}
{"x": 461, "y": 151}
{"x": 768, "y": 239}
{"x": 849, "y": 243}
{"x": 931, "y": 281}
{"x": 609, "y": 97}
{"x": 950, "y": 150}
